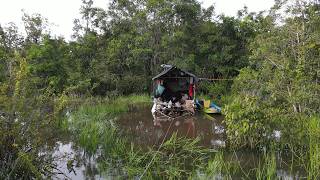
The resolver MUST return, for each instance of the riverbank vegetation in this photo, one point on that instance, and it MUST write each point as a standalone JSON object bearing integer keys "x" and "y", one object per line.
{"x": 97, "y": 130}
{"x": 280, "y": 88}
{"x": 270, "y": 96}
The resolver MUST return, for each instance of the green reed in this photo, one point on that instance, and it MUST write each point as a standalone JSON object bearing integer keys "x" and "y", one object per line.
{"x": 95, "y": 126}
{"x": 314, "y": 148}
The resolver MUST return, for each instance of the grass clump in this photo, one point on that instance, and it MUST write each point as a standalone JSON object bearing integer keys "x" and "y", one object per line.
{"x": 314, "y": 149}
{"x": 267, "y": 170}
{"x": 96, "y": 129}
{"x": 94, "y": 124}
{"x": 178, "y": 158}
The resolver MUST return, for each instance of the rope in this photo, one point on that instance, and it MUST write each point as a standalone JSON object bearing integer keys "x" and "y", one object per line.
{"x": 148, "y": 166}
{"x": 208, "y": 79}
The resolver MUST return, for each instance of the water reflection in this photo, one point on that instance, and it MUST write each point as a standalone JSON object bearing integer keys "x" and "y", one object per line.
{"x": 73, "y": 163}
{"x": 139, "y": 126}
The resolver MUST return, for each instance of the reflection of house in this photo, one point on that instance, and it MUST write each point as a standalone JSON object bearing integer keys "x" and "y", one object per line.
{"x": 174, "y": 92}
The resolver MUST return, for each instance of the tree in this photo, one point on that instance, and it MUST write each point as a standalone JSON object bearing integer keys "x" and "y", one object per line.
{"x": 35, "y": 26}
{"x": 47, "y": 64}
{"x": 281, "y": 87}
{"x": 10, "y": 43}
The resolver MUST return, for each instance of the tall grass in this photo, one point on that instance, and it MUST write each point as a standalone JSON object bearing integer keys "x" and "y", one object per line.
{"x": 95, "y": 127}
{"x": 94, "y": 124}
{"x": 215, "y": 166}
{"x": 267, "y": 170}
{"x": 178, "y": 158}
{"x": 314, "y": 148}
{"x": 221, "y": 167}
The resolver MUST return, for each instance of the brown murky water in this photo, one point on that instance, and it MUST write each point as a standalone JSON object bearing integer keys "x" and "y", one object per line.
{"x": 139, "y": 125}
{"x": 71, "y": 161}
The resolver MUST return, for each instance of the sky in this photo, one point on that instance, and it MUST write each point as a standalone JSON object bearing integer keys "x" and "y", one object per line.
{"x": 61, "y": 13}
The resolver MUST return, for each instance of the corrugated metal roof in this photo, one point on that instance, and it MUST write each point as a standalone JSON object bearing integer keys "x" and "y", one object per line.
{"x": 167, "y": 70}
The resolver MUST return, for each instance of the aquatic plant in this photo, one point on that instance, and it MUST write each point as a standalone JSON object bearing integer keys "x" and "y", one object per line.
{"x": 314, "y": 148}
{"x": 215, "y": 166}
{"x": 96, "y": 129}
{"x": 94, "y": 124}
{"x": 270, "y": 165}
{"x": 179, "y": 157}
{"x": 176, "y": 158}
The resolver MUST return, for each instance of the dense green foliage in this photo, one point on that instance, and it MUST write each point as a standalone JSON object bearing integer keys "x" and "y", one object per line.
{"x": 280, "y": 90}
{"x": 117, "y": 51}
{"x": 273, "y": 57}
{"x": 24, "y": 118}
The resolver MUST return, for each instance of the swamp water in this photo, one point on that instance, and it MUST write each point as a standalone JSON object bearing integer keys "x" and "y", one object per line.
{"x": 70, "y": 161}
{"x": 138, "y": 125}
{"x": 74, "y": 163}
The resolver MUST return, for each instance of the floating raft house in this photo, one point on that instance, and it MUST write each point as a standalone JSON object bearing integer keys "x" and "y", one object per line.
{"x": 174, "y": 93}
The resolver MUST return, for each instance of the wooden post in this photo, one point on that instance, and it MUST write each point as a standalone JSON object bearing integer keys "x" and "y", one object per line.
{"x": 194, "y": 91}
